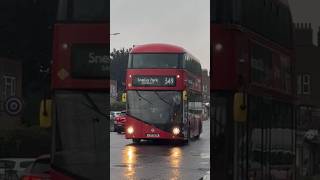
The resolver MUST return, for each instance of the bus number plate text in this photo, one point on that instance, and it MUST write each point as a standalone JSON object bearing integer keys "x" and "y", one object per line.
{"x": 153, "y": 135}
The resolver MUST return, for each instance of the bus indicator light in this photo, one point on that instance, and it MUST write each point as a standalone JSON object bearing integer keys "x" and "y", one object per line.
{"x": 218, "y": 47}
{"x": 64, "y": 46}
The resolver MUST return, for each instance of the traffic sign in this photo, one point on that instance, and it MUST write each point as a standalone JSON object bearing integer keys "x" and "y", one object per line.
{"x": 13, "y": 106}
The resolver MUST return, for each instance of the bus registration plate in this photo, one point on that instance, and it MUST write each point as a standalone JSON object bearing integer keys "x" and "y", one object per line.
{"x": 153, "y": 135}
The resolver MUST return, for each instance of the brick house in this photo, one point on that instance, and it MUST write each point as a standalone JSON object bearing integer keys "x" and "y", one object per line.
{"x": 308, "y": 88}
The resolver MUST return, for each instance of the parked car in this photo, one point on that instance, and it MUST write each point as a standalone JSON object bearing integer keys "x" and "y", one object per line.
{"x": 38, "y": 170}
{"x": 12, "y": 168}
{"x": 113, "y": 115}
{"x": 119, "y": 122}
{"x": 111, "y": 126}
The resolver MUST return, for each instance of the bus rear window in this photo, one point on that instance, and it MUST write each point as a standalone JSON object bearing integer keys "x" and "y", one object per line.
{"x": 154, "y": 61}
{"x": 83, "y": 10}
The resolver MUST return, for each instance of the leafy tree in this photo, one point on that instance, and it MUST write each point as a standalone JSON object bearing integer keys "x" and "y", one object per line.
{"x": 118, "y": 66}
{"x": 118, "y": 106}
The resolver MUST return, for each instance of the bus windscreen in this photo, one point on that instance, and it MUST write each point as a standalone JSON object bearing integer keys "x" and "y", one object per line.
{"x": 160, "y": 108}
{"x": 81, "y": 142}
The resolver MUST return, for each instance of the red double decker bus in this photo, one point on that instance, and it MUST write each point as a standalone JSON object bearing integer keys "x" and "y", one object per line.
{"x": 80, "y": 73}
{"x": 164, "y": 99}
{"x": 252, "y": 90}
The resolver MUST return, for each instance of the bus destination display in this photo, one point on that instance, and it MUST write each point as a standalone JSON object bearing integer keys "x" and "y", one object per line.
{"x": 90, "y": 61}
{"x": 155, "y": 81}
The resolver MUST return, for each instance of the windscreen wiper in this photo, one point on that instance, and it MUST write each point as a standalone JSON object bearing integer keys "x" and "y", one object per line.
{"x": 162, "y": 98}
{"x": 143, "y": 97}
{"x": 93, "y": 106}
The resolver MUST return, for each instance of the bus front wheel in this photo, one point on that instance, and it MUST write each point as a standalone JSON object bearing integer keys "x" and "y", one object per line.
{"x": 199, "y": 131}
{"x": 186, "y": 141}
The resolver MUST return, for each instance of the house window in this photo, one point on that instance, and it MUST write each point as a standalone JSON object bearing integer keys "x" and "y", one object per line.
{"x": 306, "y": 88}
{"x": 299, "y": 84}
{"x": 9, "y": 87}
{"x": 304, "y": 84}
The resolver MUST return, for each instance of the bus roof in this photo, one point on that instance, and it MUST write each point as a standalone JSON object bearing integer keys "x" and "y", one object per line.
{"x": 157, "y": 48}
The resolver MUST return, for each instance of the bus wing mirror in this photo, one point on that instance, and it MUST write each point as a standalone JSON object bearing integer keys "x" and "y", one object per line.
{"x": 240, "y": 107}
{"x": 124, "y": 97}
{"x": 45, "y": 113}
{"x": 185, "y": 95}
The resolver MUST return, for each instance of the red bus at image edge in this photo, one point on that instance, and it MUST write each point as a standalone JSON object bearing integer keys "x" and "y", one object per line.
{"x": 80, "y": 86}
{"x": 253, "y": 100}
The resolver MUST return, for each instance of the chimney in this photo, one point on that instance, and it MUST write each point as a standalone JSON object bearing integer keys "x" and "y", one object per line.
{"x": 303, "y": 34}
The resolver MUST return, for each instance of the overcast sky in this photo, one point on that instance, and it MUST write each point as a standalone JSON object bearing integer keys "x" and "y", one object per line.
{"x": 181, "y": 22}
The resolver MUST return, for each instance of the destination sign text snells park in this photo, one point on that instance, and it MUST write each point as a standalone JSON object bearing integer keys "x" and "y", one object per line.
{"x": 90, "y": 61}
{"x": 154, "y": 81}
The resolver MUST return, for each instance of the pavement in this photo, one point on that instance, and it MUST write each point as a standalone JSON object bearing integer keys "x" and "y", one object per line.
{"x": 160, "y": 160}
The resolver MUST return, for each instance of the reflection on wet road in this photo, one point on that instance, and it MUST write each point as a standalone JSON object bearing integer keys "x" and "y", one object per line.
{"x": 175, "y": 158}
{"x": 129, "y": 158}
{"x": 159, "y": 160}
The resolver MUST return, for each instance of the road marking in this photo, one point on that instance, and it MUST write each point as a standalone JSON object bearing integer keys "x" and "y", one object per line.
{"x": 207, "y": 176}
{"x": 205, "y": 155}
{"x": 204, "y": 162}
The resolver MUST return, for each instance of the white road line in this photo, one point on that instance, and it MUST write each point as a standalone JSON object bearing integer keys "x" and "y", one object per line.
{"x": 204, "y": 162}
{"x": 207, "y": 176}
{"x": 205, "y": 155}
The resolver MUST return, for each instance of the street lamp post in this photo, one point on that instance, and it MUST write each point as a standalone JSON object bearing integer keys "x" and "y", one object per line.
{"x": 114, "y": 34}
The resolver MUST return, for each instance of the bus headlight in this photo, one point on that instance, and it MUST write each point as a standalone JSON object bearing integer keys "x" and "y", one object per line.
{"x": 130, "y": 130}
{"x": 176, "y": 131}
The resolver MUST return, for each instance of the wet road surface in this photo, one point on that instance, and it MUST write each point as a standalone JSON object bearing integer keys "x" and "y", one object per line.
{"x": 159, "y": 160}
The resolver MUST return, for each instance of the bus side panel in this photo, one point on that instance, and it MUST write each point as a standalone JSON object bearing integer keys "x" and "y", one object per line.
{"x": 65, "y": 37}
{"x": 223, "y": 64}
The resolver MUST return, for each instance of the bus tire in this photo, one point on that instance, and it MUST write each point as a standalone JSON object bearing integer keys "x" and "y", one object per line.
{"x": 136, "y": 141}
{"x": 199, "y": 131}
{"x": 197, "y": 136}
{"x": 186, "y": 141}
